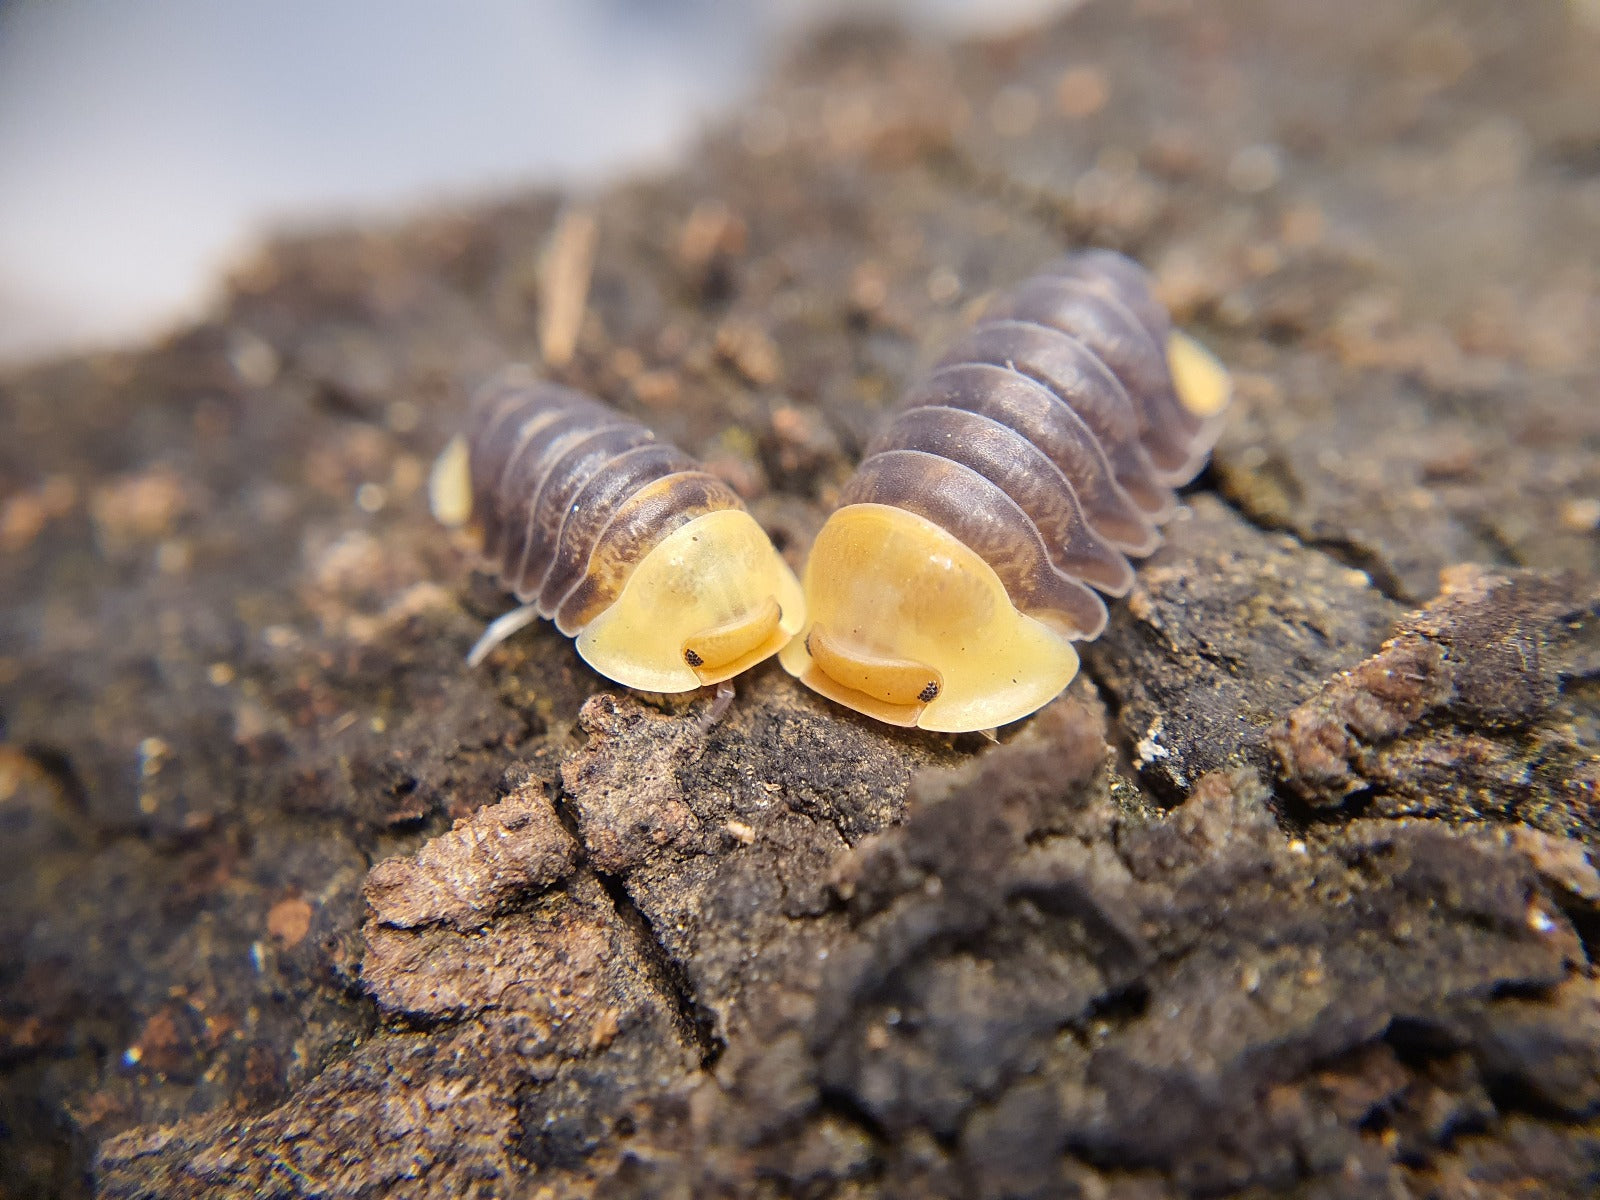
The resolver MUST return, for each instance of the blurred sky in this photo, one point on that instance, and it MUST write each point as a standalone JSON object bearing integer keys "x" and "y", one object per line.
{"x": 145, "y": 143}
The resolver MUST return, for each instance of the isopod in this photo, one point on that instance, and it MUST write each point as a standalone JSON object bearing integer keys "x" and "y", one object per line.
{"x": 655, "y": 567}
{"x": 1008, "y": 490}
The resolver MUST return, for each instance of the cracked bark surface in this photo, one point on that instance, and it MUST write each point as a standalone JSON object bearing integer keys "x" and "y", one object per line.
{"x": 1290, "y": 894}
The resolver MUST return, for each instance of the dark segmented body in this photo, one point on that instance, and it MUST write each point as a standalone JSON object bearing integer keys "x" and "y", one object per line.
{"x": 567, "y": 495}
{"x": 1049, "y": 439}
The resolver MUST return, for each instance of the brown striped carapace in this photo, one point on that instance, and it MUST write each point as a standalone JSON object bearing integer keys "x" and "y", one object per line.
{"x": 1009, "y": 488}
{"x": 655, "y": 567}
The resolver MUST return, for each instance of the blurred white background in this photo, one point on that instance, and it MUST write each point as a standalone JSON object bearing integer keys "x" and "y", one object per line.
{"x": 144, "y": 145}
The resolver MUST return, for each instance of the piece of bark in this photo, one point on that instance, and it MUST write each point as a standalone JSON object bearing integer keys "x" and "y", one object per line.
{"x": 1469, "y": 711}
{"x": 487, "y": 862}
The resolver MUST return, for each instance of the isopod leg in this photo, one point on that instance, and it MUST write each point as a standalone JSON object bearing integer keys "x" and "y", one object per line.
{"x": 720, "y": 705}
{"x": 501, "y": 628}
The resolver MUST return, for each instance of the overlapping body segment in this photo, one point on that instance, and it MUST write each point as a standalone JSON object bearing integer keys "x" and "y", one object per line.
{"x": 653, "y": 565}
{"x": 1011, "y": 486}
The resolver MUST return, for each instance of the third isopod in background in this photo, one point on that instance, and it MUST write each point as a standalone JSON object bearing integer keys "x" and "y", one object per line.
{"x": 1010, "y": 487}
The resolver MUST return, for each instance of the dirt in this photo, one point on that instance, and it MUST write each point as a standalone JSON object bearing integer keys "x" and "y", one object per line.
{"x": 1291, "y": 893}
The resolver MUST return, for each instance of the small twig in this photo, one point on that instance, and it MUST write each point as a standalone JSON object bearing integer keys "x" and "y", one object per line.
{"x": 564, "y": 275}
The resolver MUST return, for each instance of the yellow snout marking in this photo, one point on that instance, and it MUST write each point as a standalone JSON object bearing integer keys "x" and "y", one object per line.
{"x": 896, "y": 681}
{"x": 710, "y": 650}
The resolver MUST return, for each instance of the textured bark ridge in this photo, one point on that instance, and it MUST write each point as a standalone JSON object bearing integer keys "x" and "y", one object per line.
{"x": 1292, "y": 893}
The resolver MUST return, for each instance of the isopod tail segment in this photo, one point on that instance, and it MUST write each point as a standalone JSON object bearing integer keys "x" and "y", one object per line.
{"x": 655, "y": 567}
{"x": 1005, "y": 496}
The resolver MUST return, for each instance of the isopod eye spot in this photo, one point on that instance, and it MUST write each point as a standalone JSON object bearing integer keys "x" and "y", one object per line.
{"x": 693, "y": 659}
{"x": 930, "y": 693}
